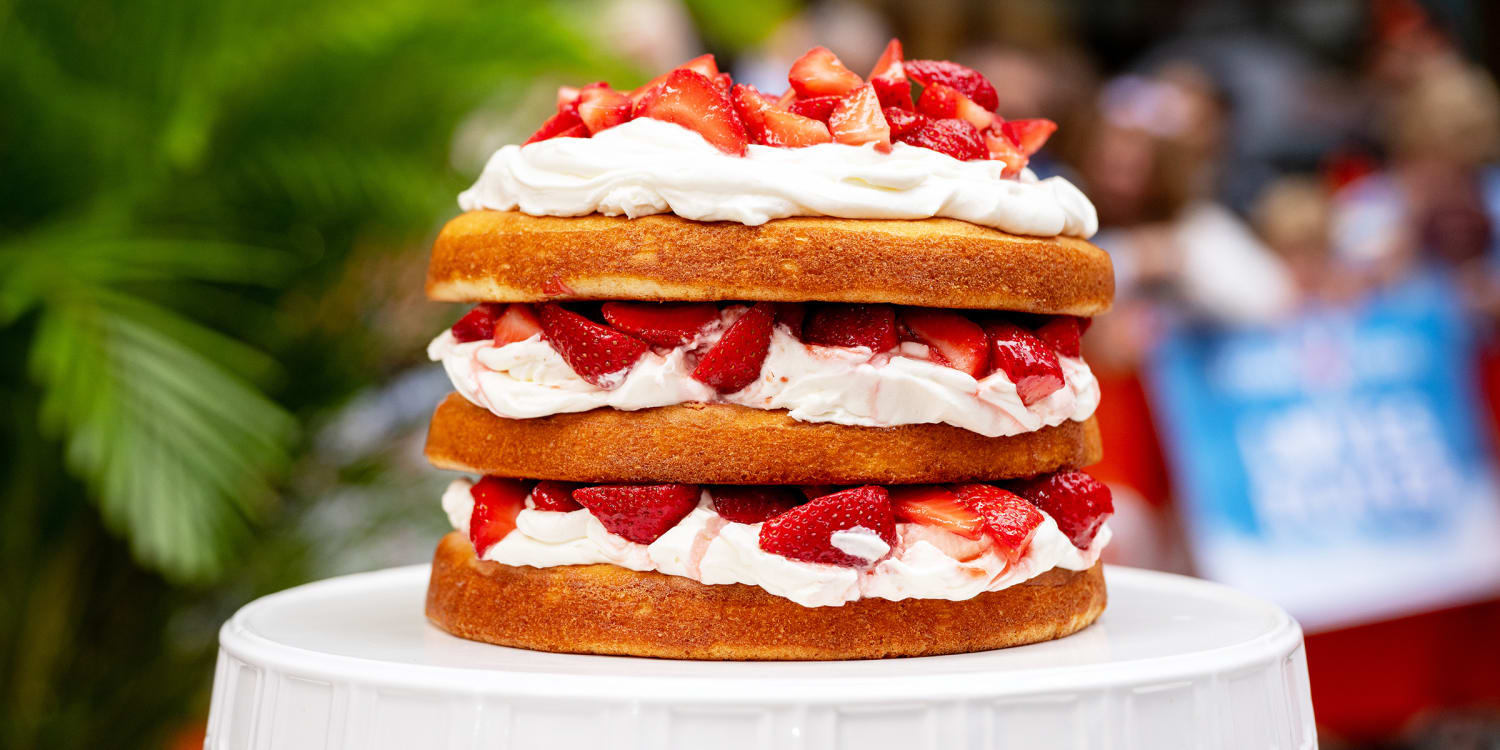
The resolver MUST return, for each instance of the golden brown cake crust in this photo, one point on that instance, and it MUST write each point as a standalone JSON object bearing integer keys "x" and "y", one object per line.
{"x": 507, "y": 256}
{"x": 731, "y": 444}
{"x": 606, "y": 609}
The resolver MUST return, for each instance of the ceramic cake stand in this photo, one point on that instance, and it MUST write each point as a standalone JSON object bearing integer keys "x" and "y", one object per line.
{"x": 351, "y": 663}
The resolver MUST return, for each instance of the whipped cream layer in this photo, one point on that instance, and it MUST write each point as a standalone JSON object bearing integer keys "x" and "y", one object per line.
{"x": 843, "y": 385}
{"x": 648, "y": 166}
{"x": 927, "y": 563}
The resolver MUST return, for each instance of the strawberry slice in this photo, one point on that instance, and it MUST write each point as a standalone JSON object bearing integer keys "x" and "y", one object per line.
{"x": 554, "y": 496}
{"x": 637, "y": 512}
{"x": 1008, "y": 520}
{"x": 698, "y": 104}
{"x": 961, "y": 341}
{"x": 954, "y": 137}
{"x": 1002, "y": 148}
{"x": 785, "y": 101}
{"x": 791, "y": 315}
{"x": 818, "y": 107}
{"x": 904, "y": 121}
{"x": 857, "y": 120}
{"x": 601, "y": 107}
{"x": 724, "y": 80}
{"x": 478, "y": 323}
{"x": 750, "y": 504}
{"x": 1063, "y": 334}
{"x": 1078, "y": 503}
{"x": 734, "y": 361}
{"x": 806, "y": 531}
{"x": 564, "y": 124}
{"x": 567, "y": 98}
{"x": 772, "y": 127}
{"x": 1028, "y": 362}
{"x": 597, "y": 353}
{"x": 872, "y": 326}
{"x": 889, "y": 78}
{"x": 661, "y": 324}
{"x": 1029, "y": 135}
{"x": 968, "y": 81}
{"x": 820, "y": 73}
{"x": 939, "y": 101}
{"x": 704, "y": 65}
{"x": 497, "y": 502}
{"x": 935, "y": 505}
{"x": 518, "y": 323}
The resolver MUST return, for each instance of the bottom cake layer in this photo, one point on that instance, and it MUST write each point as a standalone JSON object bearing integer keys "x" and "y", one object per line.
{"x": 606, "y": 609}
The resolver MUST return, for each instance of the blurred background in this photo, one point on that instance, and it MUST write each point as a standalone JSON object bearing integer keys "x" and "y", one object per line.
{"x": 214, "y": 220}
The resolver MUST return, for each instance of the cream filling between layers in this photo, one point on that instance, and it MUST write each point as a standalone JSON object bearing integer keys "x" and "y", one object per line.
{"x": 927, "y": 563}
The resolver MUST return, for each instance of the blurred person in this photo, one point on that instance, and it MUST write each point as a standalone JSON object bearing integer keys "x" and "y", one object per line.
{"x": 1294, "y": 215}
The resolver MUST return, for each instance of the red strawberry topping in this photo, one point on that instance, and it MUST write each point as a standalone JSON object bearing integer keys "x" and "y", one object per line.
{"x": 601, "y": 107}
{"x": 497, "y": 502}
{"x": 820, "y": 73}
{"x": 1063, "y": 333}
{"x": 968, "y": 81}
{"x": 639, "y": 513}
{"x": 941, "y": 101}
{"x": 567, "y": 98}
{"x": 769, "y": 126}
{"x": 518, "y": 323}
{"x": 554, "y": 496}
{"x": 564, "y": 124}
{"x": 1009, "y": 520}
{"x": 889, "y": 78}
{"x": 935, "y": 505}
{"x": 703, "y": 65}
{"x": 1078, "y": 502}
{"x": 595, "y": 352}
{"x": 1029, "y": 135}
{"x": 1002, "y": 148}
{"x": 751, "y": 504}
{"x": 791, "y": 315}
{"x": 904, "y": 121}
{"x": 698, "y": 104}
{"x": 661, "y": 324}
{"x": 872, "y": 326}
{"x": 960, "y": 341}
{"x": 818, "y": 107}
{"x": 478, "y": 323}
{"x": 954, "y": 137}
{"x": 1028, "y": 362}
{"x": 734, "y": 361}
{"x": 857, "y": 120}
{"x": 806, "y": 531}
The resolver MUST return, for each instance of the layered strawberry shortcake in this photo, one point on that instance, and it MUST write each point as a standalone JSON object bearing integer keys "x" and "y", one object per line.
{"x": 760, "y": 377}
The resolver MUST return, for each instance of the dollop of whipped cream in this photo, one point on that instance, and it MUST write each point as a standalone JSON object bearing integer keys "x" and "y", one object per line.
{"x": 648, "y": 166}
{"x": 842, "y": 385}
{"x": 927, "y": 563}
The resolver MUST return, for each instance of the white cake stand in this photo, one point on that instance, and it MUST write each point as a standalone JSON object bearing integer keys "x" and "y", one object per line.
{"x": 351, "y": 663}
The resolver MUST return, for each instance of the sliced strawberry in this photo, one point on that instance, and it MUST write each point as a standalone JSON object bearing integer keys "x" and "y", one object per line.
{"x": 961, "y": 341}
{"x": 639, "y": 513}
{"x": 939, "y": 101}
{"x": 904, "y": 121}
{"x": 1029, "y": 135}
{"x": 698, "y": 104}
{"x": 564, "y": 124}
{"x": 554, "y": 496}
{"x": 703, "y": 65}
{"x": 820, "y": 73}
{"x": 818, "y": 107}
{"x": 968, "y": 81}
{"x": 724, "y": 80}
{"x": 1028, "y": 362}
{"x": 769, "y": 126}
{"x": 889, "y": 78}
{"x": 601, "y": 107}
{"x": 518, "y": 323}
{"x": 784, "y": 102}
{"x": 857, "y": 120}
{"x": 956, "y": 138}
{"x": 597, "y": 353}
{"x": 1063, "y": 334}
{"x": 753, "y": 504}
{"x": 567, "y": 98}
{"x": 734, "y": 361}
{"x": 935, "y": 505}
{"x": 478, "y": 323}
{"x": 1008, "y": 519}
{"x": 497, "y": 502}
{"x": 661, "y": 324}
{"x": 1078, "y": 503}
{"x": 806, "y": 531}
{"x": 1002, "y": 148}
{"x": 791, "y": 315}
{"x": 872, "y": 326}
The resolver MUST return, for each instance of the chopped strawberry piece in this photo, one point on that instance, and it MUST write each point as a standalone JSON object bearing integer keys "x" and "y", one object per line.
{"x": 1063, "y": 334}
{"x": 806, "y": 531}
{"x": 567, "y": 98}
{"x": 857, "y": 120}
{"x": 698, "y": 104}
{"x": 554, "y": 496}
{"x": 956, "y": 138}
{"x": 750, "y": 504}
{"x": 1008, "y": 519}
{"x": 1078, "y": 503}
{"x": 518, "y": 323}
{"x": 639, "y": 513}
{"x": 904, "y": 121}
{"x": 872, "y": 326}
{"x": 820, "y": 73}
{"x": 1028, "y": 362}
{"x": 1002, "y": 148}
{"x": 889, "y": 78}
{"x": 772, "y": 127}
{"x": 661, "y": 324}
{"x": 601, "y": 107}
{"x": 968, "y": 81}
{"x": 724, "y": 80}
{"x": 478, "y": 323}
{"x": 791, "y": 315}
{"x": 939, "y": 101}
{"x": 597, "y": 353}
{"x": 935, "y": 505}
{"x": 564, "y": 124}
{"x": 497, "y": 502}
{"x": 703, "y": 65}
{"x": 734, "y": 361}
{"x": 961, "y": 341}
{"x": 784, "y": 102}
{"x": 1029, "y": 135}
{"x": 818, "y": 107}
